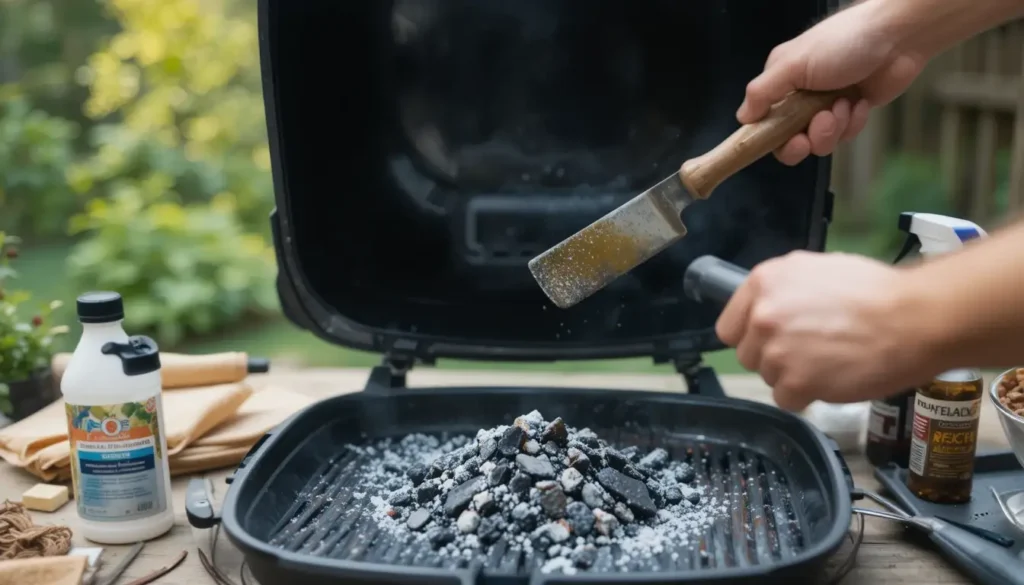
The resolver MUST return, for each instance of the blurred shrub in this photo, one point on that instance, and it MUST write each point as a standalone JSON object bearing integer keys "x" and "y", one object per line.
{"x": 35, "y": 150}
{"x": 178, "y": 93}
{"x": 182, "y": 269}
{"x": 907, "y": 182}
{"x": 179, "y": 173}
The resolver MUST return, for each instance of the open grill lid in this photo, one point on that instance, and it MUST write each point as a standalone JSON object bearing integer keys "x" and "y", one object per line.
{"x": 424, "y": 150}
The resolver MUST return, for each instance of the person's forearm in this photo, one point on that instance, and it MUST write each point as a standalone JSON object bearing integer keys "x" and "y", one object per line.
{"x": 929, "y": 27}
{"x": 968, "y": 307}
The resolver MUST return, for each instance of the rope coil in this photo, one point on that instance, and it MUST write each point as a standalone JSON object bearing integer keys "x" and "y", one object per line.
{"x": 20, "y": 538}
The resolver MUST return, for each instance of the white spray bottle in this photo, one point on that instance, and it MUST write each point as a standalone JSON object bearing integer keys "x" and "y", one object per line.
{"x": 884, "y": 426}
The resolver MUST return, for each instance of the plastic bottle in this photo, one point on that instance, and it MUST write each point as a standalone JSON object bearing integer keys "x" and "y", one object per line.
{"x": 112, "y": 395}
{"x": 891, "y": 420}
{"x": 947, "y": 410}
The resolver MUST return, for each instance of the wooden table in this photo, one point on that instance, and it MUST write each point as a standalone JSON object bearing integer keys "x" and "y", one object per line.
{"x": 884, "y": 557}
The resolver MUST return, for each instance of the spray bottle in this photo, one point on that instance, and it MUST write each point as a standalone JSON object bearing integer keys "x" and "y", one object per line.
{"x": 943, "y": 422}
{"x": 112, "y": 396}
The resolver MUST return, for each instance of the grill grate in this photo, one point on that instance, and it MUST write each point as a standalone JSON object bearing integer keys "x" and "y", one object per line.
{"x": 762, "y": 527}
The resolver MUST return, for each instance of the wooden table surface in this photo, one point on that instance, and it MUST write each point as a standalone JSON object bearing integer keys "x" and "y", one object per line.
{"x": 885, "y": 556}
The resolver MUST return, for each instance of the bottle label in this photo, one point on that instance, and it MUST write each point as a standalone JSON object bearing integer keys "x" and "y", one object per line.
{"x": 884, "y": 421}
{"x": 117, "y": 460}
{"x": 945, "y": 437}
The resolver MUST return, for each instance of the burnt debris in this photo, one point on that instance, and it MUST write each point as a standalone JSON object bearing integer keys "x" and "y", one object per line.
{"x": 542, "y": 486}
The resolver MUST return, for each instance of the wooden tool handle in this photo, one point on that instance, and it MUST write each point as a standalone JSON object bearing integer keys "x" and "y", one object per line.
{"x": 785, "y": 120}
{"x": 184, "y": 370}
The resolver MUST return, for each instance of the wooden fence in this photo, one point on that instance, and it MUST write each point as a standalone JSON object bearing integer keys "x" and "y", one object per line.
{"x": 966, "y": 107}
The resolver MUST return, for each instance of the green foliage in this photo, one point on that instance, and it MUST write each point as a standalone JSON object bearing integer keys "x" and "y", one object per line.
{"x": 907, "y": 183}
{"x": 181, "y": 269}
{"x": 35, "y": 149}
{"x": 177, "y": 90}
{"x": 26, "y": 338}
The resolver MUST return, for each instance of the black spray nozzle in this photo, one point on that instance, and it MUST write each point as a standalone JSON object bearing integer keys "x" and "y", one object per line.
{"x": 139, "y": 356}
{"x": 256, "y": 365}
{"x": 710, "y": 278}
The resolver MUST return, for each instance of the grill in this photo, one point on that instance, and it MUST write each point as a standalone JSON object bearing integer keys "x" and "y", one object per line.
{"x": 301, "y": 509}
{"x": 329, "y": 520}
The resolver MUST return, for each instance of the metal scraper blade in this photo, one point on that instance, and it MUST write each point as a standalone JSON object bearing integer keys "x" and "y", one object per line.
{"x": 585, "y": 262}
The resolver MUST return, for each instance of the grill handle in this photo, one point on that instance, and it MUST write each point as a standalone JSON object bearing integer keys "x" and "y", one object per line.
{"x": 712, "y": 279}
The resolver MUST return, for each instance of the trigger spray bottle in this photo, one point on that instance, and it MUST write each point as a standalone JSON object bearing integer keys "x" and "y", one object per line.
{"x": 938, "y": 431}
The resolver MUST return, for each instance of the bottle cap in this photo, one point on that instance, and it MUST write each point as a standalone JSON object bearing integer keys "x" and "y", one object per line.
{"x": 100, "y": 307}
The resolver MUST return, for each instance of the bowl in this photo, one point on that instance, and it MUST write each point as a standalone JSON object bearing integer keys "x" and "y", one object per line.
{"x": 1013, "y": 424}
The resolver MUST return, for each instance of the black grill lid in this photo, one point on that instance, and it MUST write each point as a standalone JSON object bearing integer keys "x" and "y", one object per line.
{"x": 425, "y": 150}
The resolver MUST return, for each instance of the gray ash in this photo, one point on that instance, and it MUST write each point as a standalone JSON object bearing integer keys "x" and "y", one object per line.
{"x": 546, "y": 488}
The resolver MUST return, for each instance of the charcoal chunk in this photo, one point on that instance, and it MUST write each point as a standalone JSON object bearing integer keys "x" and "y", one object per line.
{"x": 499, "y": 475}
{"x": 511, "y": 441}
{"x": 634, "y": 493}
{"x": 555, "y": 532}
{"x": 418, "y": 519}
{"x": 580, "y": 518}
{"x": 673, "y": 495}
{"x": 441, "y": 537}
{"x": 656, "y": 459}
{"x": 485, "y": 504}
{"x": 571, "y": 480}
{"x": 589, "y": 438}
{"x": 604, "y": 523}
{"x": 593, "y": 495}
{"x": 490, "y": 529}
{"x": 531, "y": 447}
{"x": 551, "y": 448}
{"x": 426, "y": 492}
{"x": 635, "y": 472}
{"x": 487, "y": 449}
{"x": 585, "y": 556}
{"x": 632, "y": 453}
{"x": 461, "y": 495}
{"x": 556, "y": 432}
{"x": 578, "y": 460}
{"x": 685, "y": 473}
{"x": 538, "y": 468}
{"x": 623, "y": 513}
{"x": 615, "y": 459}
{"x": 693, "y": 496}
{"x": 552, "y": 498}
{"x": 400, "y": 498}
{"x": 472, "y": 465}
{"x": 417, "y": 473}
{"x": 392, "y": 467}
{"x": 655, "y": 491}
{"x": 520, "y": 484}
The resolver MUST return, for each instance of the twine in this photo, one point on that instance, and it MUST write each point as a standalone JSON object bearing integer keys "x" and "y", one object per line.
{"x": 21, "y": 539}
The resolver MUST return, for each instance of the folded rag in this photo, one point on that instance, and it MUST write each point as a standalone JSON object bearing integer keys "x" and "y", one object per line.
{"x": 48, "y": 570}
{"x": 39, "y": 443}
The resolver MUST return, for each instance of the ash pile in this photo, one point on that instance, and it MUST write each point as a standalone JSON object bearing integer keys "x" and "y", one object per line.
{"x": 548, "y": 488}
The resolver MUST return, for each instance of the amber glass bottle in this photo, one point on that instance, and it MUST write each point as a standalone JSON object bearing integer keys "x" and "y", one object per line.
{"x": 945, "y": 437}
{"x": 890, "y": 426}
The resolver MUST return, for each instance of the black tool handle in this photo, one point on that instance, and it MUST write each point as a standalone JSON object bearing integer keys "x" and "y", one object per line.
{"x": 712, "y": 279}
{"x": 986, "y": 563}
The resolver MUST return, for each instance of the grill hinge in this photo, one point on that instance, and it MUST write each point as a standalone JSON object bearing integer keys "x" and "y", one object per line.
{"x": 700, "y": 379}
{"x": 391, "y": 373}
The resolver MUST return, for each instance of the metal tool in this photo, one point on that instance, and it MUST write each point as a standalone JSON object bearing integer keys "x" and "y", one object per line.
{"x": 1012, "y": 505}
{"x": 986, "y": 563}
{"x": 585, "y": 262}
{"x": 122, "y": 565}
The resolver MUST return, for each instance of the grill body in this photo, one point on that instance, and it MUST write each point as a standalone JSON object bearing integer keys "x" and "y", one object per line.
{"x": 293, "y": 510}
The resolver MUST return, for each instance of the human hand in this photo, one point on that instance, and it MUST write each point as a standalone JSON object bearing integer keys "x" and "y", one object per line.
{"x": 831, "y": 327}
{"x": 852, "y": 47}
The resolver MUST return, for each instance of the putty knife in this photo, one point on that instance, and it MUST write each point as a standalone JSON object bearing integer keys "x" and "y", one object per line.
{"x": 585, "y": 262}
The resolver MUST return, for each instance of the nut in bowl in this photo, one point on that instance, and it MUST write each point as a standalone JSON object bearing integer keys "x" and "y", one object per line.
{"x": 1008, "y": 395}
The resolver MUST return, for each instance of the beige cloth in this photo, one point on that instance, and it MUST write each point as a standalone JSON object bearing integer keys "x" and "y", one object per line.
{"x": 39, "y": 443}
{"x": 48, "y": 570}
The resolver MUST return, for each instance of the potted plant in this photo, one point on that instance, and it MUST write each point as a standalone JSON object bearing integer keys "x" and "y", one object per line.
{"x": 26, "y": 341}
